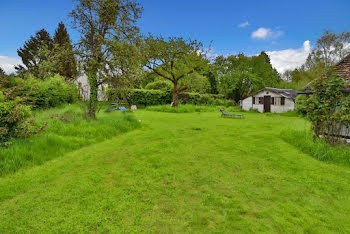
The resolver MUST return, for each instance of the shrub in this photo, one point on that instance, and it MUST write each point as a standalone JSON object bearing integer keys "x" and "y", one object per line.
{"x": 188, "y": 108}
{"x": 51, "y": 92}
{"x": 158, "y": 97}
{"x": 328, "y": 108}
{"x": 13, "y": 115}
{"x": 159, "y": 85}
{"x": 148, "y": 97}
{"x": 301, "y": 105}
{"x": 205, "y": 99}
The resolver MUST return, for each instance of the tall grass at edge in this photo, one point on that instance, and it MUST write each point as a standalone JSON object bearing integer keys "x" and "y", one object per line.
{"x": 66, "y": 130}
{"x": 318, "y": 149}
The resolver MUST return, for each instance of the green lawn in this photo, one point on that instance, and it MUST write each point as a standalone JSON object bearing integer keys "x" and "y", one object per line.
{"x": 191, "y": 172}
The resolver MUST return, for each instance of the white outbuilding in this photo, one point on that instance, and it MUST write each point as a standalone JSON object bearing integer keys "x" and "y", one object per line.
{"x": 271, "y": 100}
{"x": 82, "y": 82}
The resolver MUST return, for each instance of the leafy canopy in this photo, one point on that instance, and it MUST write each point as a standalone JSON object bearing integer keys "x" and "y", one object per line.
{"x": 174, "y": 59}
{"x": 238, "y": 75}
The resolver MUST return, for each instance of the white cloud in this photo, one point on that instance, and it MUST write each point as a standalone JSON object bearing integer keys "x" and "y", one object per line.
{"x": 266, "y": 33}
{"x": 289, "y": 59}
{"x": 8, "y": 63}
{"x": 243, "y": 25}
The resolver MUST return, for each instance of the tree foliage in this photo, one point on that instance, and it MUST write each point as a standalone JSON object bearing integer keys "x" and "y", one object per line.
{"x": 44, "y": 56}
{"x": 328, "y": 108}
{"x": 239, "y": 75}
{"x": 330, "y": 49}
{"x": 174, "y": 59}
{"x": 105, "y": 27}
{"x": 63, "y": 57}
{"x": 31, "y": 54}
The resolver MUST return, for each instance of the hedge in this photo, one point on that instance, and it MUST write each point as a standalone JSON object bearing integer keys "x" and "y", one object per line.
{"x": 51, "y": 92}
{"x": 157, "y": 97}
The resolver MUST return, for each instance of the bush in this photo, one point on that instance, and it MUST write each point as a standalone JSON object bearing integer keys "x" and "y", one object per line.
{"x": 300, "y": 103}
{"x": 47, "y": 93}
{"x": 205, "y": 99}
{"x": 149, "y": 97}
{"x": 160, "y": 85}
{"x": 328, "y": 108}
{"x": 188, "y": 108}
{"x": 13, "y": 119}
{"x": 158, "y": 97}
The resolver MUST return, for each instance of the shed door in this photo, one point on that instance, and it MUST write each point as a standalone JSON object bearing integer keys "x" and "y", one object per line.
{"x": 267, "y": 103}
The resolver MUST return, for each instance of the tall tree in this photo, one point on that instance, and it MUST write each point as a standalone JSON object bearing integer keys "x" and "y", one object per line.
{"x": 174, "y": 59}
{"x": 330, "y": 48}
{"x": 30, "y": 52}
{"x": 63, "y": 56}
{"x": 100, "y": 24}
{"x": 61, "y": 36}
{"x": 239, "y": 75}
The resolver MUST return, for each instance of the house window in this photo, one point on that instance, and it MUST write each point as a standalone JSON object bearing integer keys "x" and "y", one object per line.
{"x": 261, "y": 100}
{"x": 283, "y": 101}
{"x": 277, "y": 101}
{"x": 272, "y": 101}
{"x": 253, "y": 98}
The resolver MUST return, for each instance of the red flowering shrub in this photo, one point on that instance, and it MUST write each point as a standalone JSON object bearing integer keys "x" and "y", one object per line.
{"x": 13, "y": 119}
{"x": 328, "y": 108}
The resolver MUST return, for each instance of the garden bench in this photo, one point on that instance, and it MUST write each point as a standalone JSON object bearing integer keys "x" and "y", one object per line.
{"x": 225, "y": 114}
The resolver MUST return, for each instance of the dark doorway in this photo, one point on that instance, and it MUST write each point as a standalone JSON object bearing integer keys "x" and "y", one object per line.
{"x": 267, "y": 103}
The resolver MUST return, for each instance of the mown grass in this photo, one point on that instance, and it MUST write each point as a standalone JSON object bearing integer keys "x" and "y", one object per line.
{"x": 183, "y": 173}
{"x": 190, "y": 108}
{"x": 66, "y": 130}
{"x": 318, "y": 149}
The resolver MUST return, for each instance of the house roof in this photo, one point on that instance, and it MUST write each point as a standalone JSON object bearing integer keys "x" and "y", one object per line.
{"x": 288, "y": 93}
{"x": 343, "y": 69}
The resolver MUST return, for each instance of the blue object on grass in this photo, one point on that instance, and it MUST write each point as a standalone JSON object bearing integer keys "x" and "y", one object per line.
{"x": 122, "y": 108}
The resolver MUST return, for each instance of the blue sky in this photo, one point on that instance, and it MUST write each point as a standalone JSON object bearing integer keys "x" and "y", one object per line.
{"x": 283, "y": 28}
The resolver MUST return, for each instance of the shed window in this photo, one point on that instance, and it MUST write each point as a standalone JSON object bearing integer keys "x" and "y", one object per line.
{"x": 283, "y": 101}
{"x": 261, "y": 100}
{"x": 253, "y": 98}
{"x": 272, "y": 101}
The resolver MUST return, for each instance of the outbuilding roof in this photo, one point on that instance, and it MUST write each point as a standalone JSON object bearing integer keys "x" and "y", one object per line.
{"x": 288, "y": 93}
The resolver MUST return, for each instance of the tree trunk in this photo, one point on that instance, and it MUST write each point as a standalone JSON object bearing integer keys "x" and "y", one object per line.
{"x": 175, "y": 102}
{"x": 92, "y": 106}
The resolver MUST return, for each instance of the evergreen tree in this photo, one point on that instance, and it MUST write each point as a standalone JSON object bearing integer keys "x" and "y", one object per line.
{"x": 61, "y": 36}
{"x": 64, "y": 55}
{"x": 31, "y": 54}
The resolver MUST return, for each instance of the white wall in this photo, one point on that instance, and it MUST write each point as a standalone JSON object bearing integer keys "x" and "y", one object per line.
{"x": 247, "y": 103}
{"x": 82, "y": 83}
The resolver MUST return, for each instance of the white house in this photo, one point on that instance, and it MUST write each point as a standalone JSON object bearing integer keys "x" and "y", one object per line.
{"x": 271, "y": 100}
{"x": 82, "y": 83}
